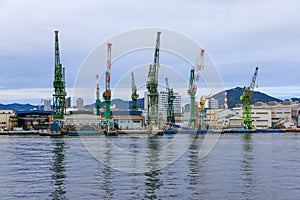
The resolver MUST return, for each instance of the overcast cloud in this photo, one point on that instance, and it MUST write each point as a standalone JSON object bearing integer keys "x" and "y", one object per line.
{"x": 237, "y": 35}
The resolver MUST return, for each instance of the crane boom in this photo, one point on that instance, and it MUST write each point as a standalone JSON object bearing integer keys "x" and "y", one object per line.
{"x": 152, "y": 85}
{"x": 246, "y": 98}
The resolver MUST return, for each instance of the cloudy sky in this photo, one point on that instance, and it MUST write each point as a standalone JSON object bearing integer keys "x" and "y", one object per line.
{"x": 237, "y": 35}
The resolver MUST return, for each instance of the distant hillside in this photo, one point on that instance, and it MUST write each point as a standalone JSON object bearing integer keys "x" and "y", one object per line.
{"x": 121, "y": 104}
{"x": 17, "y": 107}
{"x": 233, "y": 97}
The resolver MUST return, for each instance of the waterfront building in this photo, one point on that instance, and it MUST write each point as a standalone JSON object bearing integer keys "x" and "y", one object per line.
{"x": 5, "y": 119}
{"x": 68, "y": 102}
{"x": 79, "y": 104}
{"x": 47, "y": 104}
{"x": 213, "y": 103}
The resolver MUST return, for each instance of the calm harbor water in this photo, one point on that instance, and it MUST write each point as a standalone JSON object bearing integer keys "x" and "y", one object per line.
{"x": 240, "y": 166}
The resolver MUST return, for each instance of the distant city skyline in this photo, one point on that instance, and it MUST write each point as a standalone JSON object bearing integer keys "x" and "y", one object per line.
{"x": 237, "y": 35}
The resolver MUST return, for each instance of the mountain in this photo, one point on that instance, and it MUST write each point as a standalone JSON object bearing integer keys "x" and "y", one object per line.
{"x": 233, "y": 97}
{"x": 17, "y": 107}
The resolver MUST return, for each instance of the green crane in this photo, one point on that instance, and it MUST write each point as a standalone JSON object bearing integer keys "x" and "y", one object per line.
{"x": 152, "y": 85}
{"x": 246, "y": 99}
{"x": 192, "y": 90}
{"x": 107, "y": 92}
{"x": 98, "y": 102}
{"x": 134, "y": 94}
{"x": 58, "y": 84}
{"x": 170, "y": 108}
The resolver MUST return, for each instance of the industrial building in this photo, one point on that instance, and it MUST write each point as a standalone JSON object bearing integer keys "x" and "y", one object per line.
{"x": 5, "y": 116}
{"x": 34, "y": 119}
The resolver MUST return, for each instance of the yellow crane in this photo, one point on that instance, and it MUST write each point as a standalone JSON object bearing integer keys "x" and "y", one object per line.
{"x": 202, "y": 113}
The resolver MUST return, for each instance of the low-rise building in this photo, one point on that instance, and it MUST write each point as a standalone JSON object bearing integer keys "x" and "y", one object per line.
{"x": 5, "y": 119}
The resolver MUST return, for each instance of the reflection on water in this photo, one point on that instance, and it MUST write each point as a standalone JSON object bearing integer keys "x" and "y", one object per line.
{"x": 58, "y": 169}
{"x": 152, "y": 181}
{"x": 247, "y": 165}
{"x": 106, "y": 172}
{"x": 195, "y": 164}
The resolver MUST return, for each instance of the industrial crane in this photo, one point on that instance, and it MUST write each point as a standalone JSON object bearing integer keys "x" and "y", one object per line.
{"x": 107, "y": 92}
{"x": 170, "y": 108}
{"x": 192, "y": 90}
{"x": 58, "y": 84}
{"x": 98, "y": 102}
{"x": 134, "y": 94}
{"x": 152, "y": 85}
{"x": 246, "y": 99}
{"x": 202, "y": 113}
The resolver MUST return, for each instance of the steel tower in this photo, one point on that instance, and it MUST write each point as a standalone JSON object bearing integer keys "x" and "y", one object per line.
{"x": 58, "y": 83}
{"x": 98, "y": 102}
{"x": 170, "y": 108}
{"x": 134, "y": 94}
{"x": 246, "y": 98}
{"x": 107, "y": 92}
{"x": 152, "y": 85}
{"x": 192, "y": 90}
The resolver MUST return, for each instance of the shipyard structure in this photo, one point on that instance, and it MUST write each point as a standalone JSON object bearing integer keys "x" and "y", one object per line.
{"x": 162, "y": 109}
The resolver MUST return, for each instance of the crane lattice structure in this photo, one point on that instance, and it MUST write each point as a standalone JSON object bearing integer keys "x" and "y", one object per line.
{"x": 171, "y": 98}
{"x": 152, "y": 85}
{"x": 192, "y": 90}
{"x": 134, "y": 94}
{"x": 246, "y": 99}
{"x": 98, "y": 102}
{"x": 107, "y": 92}
{"x": 58, "y": 83}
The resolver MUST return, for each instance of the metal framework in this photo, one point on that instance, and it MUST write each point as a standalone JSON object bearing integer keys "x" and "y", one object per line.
{"x": 58, "y": 83}
{"x": 246, "y": 98}
{"x": 134, "y": 94}
{"x": 107, "y": 92}
{"x": 192, "y": 90}
{"x": 171, "y": 98}
{"x": 98, "y": 102}
{"x": 152, "y": 85}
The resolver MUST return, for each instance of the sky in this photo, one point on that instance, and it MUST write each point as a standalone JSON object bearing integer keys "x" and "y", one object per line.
{"x": 238, "y": 35}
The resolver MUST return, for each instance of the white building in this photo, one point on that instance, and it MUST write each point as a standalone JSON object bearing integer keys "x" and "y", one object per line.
{"x": 163, "y": 103}
{"x": 79, "y": 104}
{"x": 213, "y": 103}
{"x": 261, "y": 117}
{"x": 47, "y": 104}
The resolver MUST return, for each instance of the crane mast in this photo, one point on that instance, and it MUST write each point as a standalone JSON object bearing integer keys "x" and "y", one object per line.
{"x": 58, "y": 83}
{"x": 171, "y": 98}
{"x": 98, "y": 102}
{"x": 192, "y": 90}
{"x": 134, "y": 94}
{"x": 107, "y": 92}
{"x": 246, "y": 99}
{"x": 152, "y": 85}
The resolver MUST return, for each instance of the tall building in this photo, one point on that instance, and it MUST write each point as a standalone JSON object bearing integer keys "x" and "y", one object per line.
{"x": 213, "y": 103}
{"x": 79, "y": 104}
{"x": 47, "y": 104}
{"x": 68, "y": 102}
{"x": 163, "y": 102}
